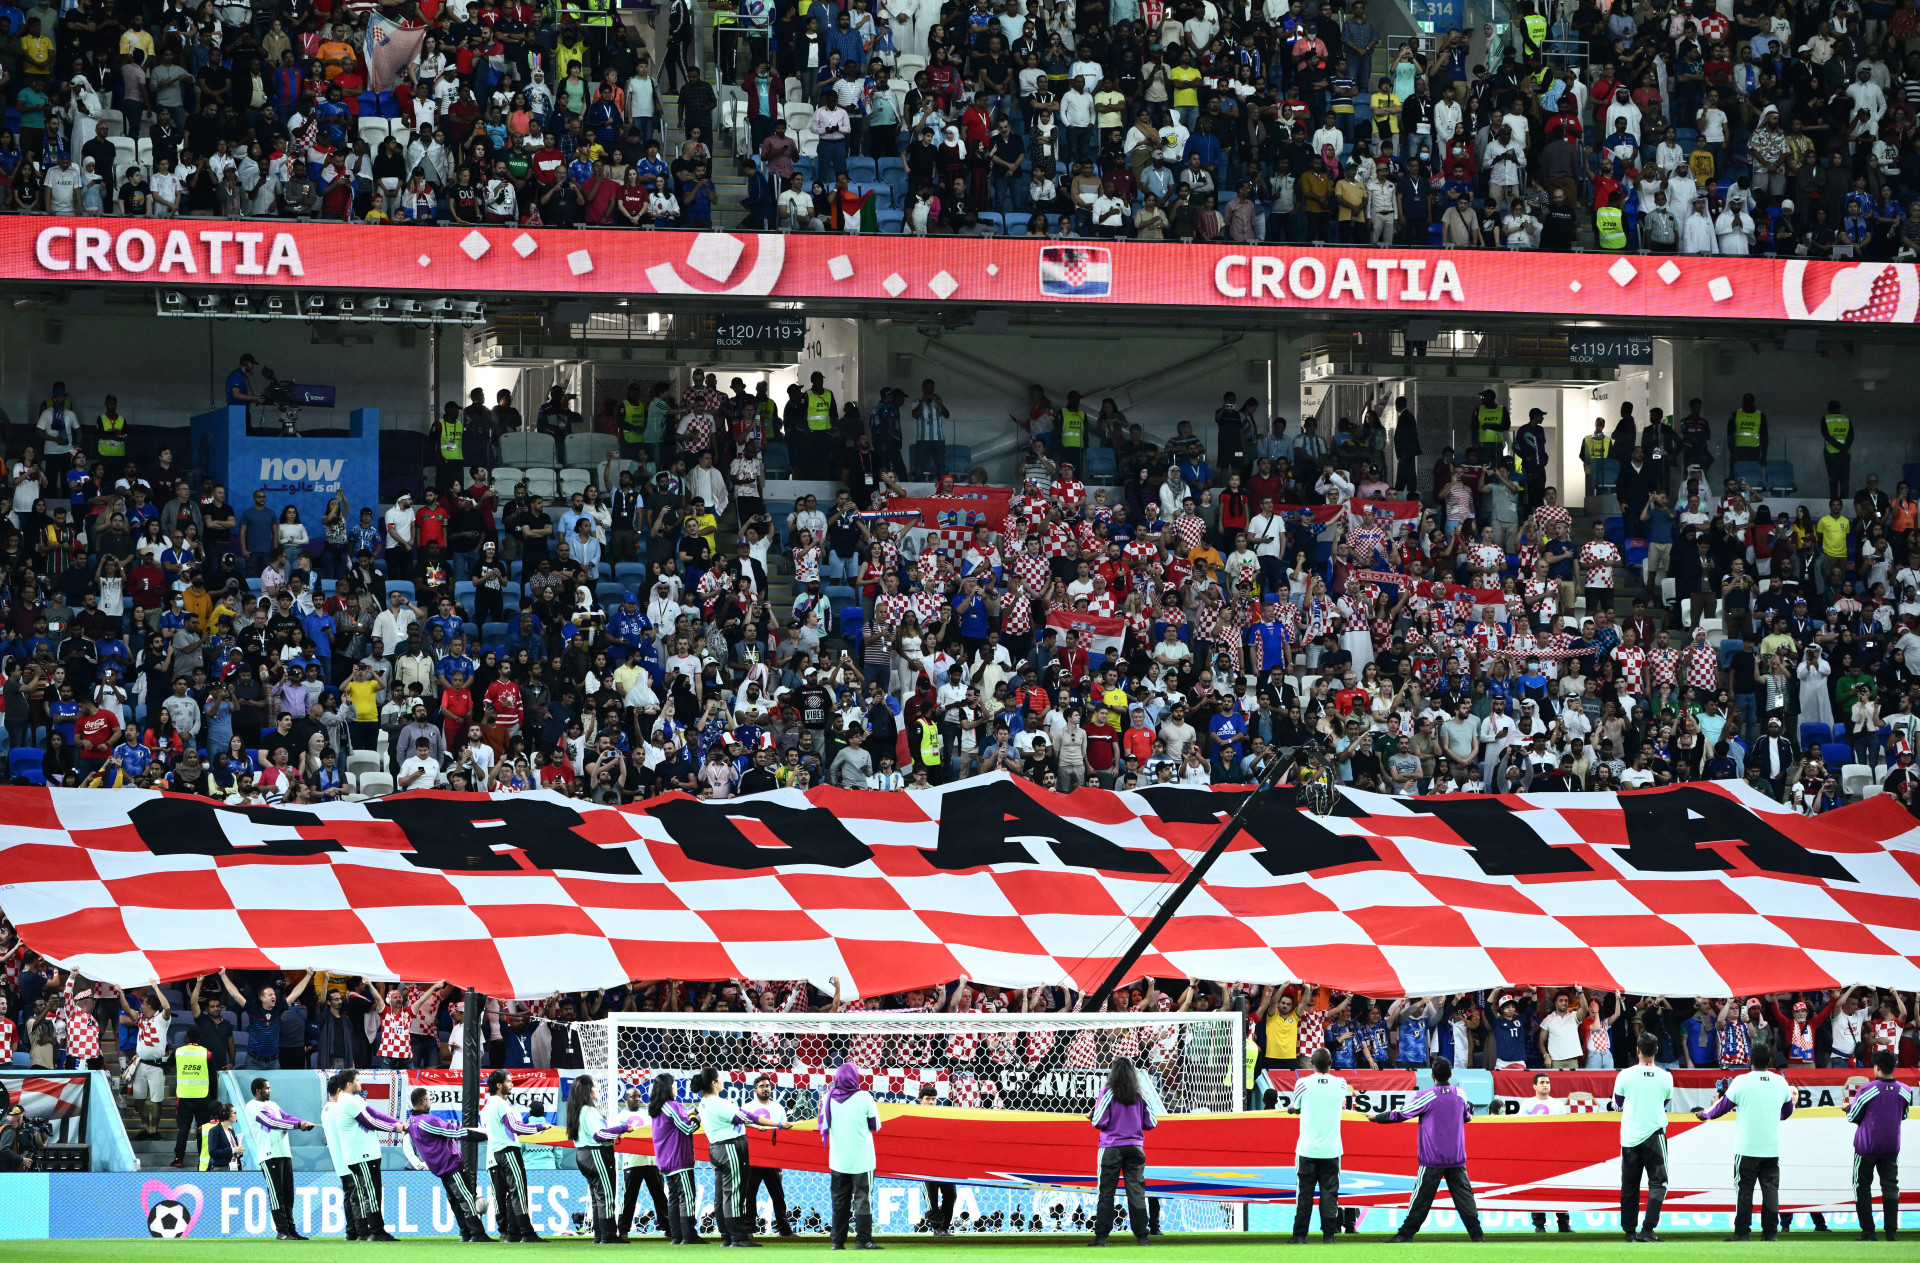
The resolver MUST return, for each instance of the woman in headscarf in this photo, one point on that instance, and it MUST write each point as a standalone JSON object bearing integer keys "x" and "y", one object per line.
{"x": 848, "y": 1119}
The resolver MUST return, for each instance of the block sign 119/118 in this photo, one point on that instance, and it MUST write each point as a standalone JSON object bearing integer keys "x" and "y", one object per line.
{"x": 746, "y": 332}
{"x": 1609, "y": 348}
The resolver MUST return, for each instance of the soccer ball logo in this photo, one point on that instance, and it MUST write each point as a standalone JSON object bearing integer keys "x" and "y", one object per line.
{"x": 168, "y": 1219}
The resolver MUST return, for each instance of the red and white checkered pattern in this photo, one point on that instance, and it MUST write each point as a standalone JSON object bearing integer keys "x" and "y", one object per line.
{"x": 1584, "y": 1105}
{"x": 1408, "y": 908}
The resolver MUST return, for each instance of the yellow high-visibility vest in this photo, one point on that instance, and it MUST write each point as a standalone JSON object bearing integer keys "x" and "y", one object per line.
{"x": 820, "y": 410}
{"x": 1487, "y": 424}
{"x": 192, "y": 1079}
{"x": 113, "y": 435}
{"x": 929, "y": 744}
{"x": 452, "y": 434}
{"x": 633, "y": 422}
{"x": 1595, "y": 447}
{"x": 1610, "y": 225}
{"x": 1073, "y": 427}
{"x": 1746, "y": 428}
{"x": 1835, "y": 427}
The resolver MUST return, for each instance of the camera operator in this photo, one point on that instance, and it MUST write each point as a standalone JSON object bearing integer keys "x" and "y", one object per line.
{"x": 240, "y": 392}
{"x": 21, "y": 1139}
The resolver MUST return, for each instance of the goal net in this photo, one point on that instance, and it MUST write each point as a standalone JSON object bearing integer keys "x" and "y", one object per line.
{"x": 1047, "y": 1062}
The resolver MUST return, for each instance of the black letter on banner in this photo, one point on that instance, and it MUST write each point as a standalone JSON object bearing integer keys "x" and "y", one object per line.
{"x": 460, "y": 836}
{"x": 812, "y": 835}
{"x": 976, "y": 823}
{"x": 1190, "y": 806}
{"x": 1665, "y": 832}
{"x": 1294, "y": 841}
{"x": 183, "y": 826}
{"x": 1502, "y": 843}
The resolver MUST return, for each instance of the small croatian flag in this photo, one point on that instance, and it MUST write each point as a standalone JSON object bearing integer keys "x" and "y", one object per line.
{"x": 1076, "y": 271}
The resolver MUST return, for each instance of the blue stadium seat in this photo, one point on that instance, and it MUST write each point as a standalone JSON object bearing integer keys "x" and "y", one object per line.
{"x": 403, "y": 586}
{"x": 1017, "y": 222}
{"x": 862, "y": 171}
{"x": 1837, "y": 754}
{"x": 852, "y": 625}
{"x": 494, "y": 633}
{"x": 1606, "y": 475}
{"x": 959, "y": 460}
{"x": 25, "y": 764}
{"x": 1617, "y": 530}
{"x": 1780, "y": 480}
{"x": 1815, "y": 734}
{"x": 629, "y": 571}
{"x": 1102, "y": 464}
{"x": 607, "y": 592}
{"x": 1750, "y": 471}
{"x": 777, "y": 460}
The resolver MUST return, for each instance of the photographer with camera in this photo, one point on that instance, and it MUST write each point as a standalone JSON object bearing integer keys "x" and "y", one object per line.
{"x": 240, "y": 391}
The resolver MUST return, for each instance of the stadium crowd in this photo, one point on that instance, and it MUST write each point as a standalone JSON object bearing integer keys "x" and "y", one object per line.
{"x": 1194, "y": 622}
{"x": 1665, "y": 126}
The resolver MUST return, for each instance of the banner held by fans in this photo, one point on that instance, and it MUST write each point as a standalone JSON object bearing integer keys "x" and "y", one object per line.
{"x": 1696, "y": 889}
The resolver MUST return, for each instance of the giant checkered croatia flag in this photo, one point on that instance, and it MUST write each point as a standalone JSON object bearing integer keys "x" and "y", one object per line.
{"x": 1703, "y": 889}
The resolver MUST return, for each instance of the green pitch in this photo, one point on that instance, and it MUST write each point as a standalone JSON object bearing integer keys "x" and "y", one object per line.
{"x": 1805, "y": 1247}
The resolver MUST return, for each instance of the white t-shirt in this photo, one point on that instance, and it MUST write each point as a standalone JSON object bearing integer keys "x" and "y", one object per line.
{"x": 63, "y": 188}
{"x": 1320, "y": 1098}
{"x": 428, "y": 765}
{"x": 400, "y": 527}
{"x": 1646, "y": 1091}
{"x": 1848, "y": 1030}
{"x": 1563, "y": 1034}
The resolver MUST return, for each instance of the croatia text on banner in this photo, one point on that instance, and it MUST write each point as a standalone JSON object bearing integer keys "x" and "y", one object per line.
{"x": 1698, "y": 889}
{"x": 1592, "y": 1090}
{"x": 1099, "y": 634}
{"x": 1567, "y": 1161}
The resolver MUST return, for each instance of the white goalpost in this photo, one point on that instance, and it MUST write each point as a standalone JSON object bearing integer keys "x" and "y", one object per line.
{"x": 1047, "y": 1062}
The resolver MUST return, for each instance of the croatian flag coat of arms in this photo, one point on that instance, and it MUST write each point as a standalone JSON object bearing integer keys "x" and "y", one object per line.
{"x": 1076, "y": 271}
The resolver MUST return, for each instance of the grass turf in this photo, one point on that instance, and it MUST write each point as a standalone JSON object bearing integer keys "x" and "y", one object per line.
{"x": 1806, "y": 1247}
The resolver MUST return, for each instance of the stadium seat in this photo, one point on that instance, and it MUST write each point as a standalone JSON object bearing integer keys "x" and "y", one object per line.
{"x": 1477, "y": 1087}
{"x": 24, "y": 764}
{"x": 1751, "y": 472}
{"x": 403, "y": 586}
{"x": 1616, "y": 530}
{"x": 494, "y": 633}
{"x": 505, "y": 476}
{"x": 374, "y": 784}
{"x": 373, "y": 130}
{"x": 959, "y": 460}
{"x": 862, "y": 170}
{"x": 527, "y": 450}
{"x": 1855, "y": 777}
{"x": 1812, "y": 735}
{"x": 852, "y": 625}
{"x": 1102, "y": 465}
{"x": 574, "y": 480}
{"x": 590, "y": 451}
{"x": 778, "y": 463}
{"x": 1780, "y": 480}
{"x": 543, "y": 482}
{"x": 629, "y": 572}
{"x": 359, "y": 762}
{"x": 1835, "y": 754}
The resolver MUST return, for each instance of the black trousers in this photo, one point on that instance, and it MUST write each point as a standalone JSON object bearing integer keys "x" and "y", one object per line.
{"x": 683, "y": 1204}
{"x": 191, "y": 1113}
{"x": 1839, "y": 475}
{"x": 510, "y": 1194}
{"x": 595, "y": 1162}
{"x": 776, "y": 1192}
{"x": 1311, "y": 1174}
{"x": 1767, "y": 1171}
{"x": 852, "y": 1201}
{"x": 278, "y": 1175}
{"x": 1119, "y": 1162}
{"x": 1458, "y": 1186}
{"x": 940, "y": 1197}
{"x": 1565, "y": 1220}
{"x": 1887, "y": 1169}
{"x": 1648, "y": 1158}
{"x": 730, "y": 1186}
{"x": 633, "y": 1178}
{"x": 460, "y": 1199}
{"x": 366, "y": 1197}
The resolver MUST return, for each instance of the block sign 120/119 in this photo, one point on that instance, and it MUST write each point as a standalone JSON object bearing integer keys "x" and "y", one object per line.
{"x": 762, "y": 333}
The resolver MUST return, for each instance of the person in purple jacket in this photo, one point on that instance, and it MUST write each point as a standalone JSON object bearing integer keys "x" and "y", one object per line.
{"x": 433, "y": 1145}
{"x": 1123, "y": 1114}
{"x": 1442, "y": 1150}
{"x": 1876, "y": 1114}
{"x": 673, "y": 1126}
